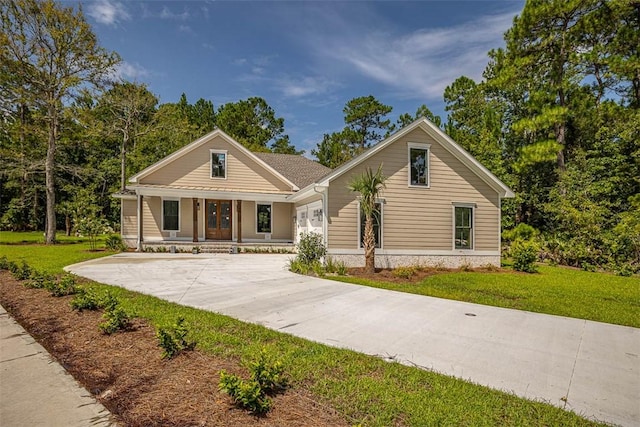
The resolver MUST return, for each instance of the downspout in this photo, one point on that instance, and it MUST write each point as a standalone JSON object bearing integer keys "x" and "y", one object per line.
{"x": 325, "y": 218}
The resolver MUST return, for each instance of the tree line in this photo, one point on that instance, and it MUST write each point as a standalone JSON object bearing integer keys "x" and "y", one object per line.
{"x": 555, "y": 116}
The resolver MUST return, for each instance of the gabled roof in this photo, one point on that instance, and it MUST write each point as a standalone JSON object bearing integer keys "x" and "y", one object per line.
{"x": 297, "y": 169}
{"x": 197, "y": 143}
{"x": 439, "y": 136}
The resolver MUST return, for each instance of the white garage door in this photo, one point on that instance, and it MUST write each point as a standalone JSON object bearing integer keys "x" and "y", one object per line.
{"x": 309, "y": 219}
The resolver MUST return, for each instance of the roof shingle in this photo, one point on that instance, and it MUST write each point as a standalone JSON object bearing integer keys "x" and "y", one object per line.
{"x": 297, "y": 169}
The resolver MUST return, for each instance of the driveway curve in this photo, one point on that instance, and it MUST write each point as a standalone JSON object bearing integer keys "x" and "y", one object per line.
{"x": 587, "y": 367}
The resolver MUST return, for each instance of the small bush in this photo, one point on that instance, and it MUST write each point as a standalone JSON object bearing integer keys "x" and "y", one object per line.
{"x": 318, "y": 269}
{"x": 246, "y": 394}
{"x": 40, "y": 280}
{"x": 330, "y": 265}
{"x": 311, "y": 248}
{"x": 268, "y": 372}
{"x": 521, "y": 232}
{"x": 66, "y": 285}
{"x": 525, "y": 255}
{"x": 341, "y": 268}
{"x": 404, "y": 272}
{"x": 299, "y": 267}
{"x": 174, "y": 340}
{"x": 21, "y": 272}
{"x": 266, "y": 377}
{"x": 114, "y": 243}
{"x": 4, "y": 263}
{"x": 85, "y": 299}
{"x": 115, "y": 317}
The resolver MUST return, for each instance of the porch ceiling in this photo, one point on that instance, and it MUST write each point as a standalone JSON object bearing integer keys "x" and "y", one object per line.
{"x": 208, "y": 193}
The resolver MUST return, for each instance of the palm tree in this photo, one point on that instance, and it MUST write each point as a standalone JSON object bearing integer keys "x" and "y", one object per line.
{"x": 368, "y": 185}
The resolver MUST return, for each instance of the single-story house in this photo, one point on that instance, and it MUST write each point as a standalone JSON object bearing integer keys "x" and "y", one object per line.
{"x": 440, "y": 205}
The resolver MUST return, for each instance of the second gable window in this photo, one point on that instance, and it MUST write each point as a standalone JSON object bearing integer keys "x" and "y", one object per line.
{"x": 218, "y": 164}
{"x": 419, "y": 165}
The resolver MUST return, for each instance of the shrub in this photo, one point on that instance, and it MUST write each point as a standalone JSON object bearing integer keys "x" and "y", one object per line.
{"x": 114, "y": 243}
{"x": 525, "y": 255}
{"x": 318, "y": 269}
{"x": 267, "y": 372}
{"x": 246, "y": 394}
{"x": 404, "y": 272}
{"x": 297, "y": 266}
{"x": 85, "y": 299}
{"x": 66, "y": 285}
{"x": 92, "y": 226}
{"x": 20, "y": 272}
{"x": 341, "y": 268}
{"x": 174, "y": 340}
{"x": 266, "y": 377}
{"x": 115, "y": 317}
{"x": 4, "y": 263}
{"x": 40, "y": 280}
{"x": 311, "y": 248}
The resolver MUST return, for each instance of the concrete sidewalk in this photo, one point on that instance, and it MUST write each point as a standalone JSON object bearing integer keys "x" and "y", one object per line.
{"x": 35, "y": 390}
{"x": 587, "y": 367}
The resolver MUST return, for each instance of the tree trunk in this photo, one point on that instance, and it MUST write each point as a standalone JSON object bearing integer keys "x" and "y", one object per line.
{"x": 369, "y": 246}
{"x": 49, "y": 166}
{"x": 123, "y": 162}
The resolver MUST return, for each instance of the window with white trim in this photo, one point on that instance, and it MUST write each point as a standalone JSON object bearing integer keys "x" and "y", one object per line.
{"x": 377, "y": 226}
{"x": 263, "y": 217}
{"x": 419, "y": 165}
{"x": 218, "y": 164}
{"x": 463, "y": 228}
{"x": 170, "y": 215}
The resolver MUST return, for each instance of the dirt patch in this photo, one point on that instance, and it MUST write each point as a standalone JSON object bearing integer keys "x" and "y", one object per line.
{"x": 418, "y": 274}
{"x": 126, "y": 373}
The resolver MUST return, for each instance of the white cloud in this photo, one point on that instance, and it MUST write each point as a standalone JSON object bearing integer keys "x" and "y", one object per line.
{"x": 166, "y": 13}
{"x": 108, "y": 12}
{"x": 128, "y": 71}
{"x": 415, "y": 65}
{"x": 304, "y": 87}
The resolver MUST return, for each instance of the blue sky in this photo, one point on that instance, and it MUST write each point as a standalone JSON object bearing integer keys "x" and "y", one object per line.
{"x": 306, "y": 58}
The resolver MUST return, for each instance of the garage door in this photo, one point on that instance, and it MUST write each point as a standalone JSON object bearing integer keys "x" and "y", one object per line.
{"x": 309, "y": 219}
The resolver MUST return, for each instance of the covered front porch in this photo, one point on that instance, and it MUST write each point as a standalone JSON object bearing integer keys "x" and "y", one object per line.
{"x": 160, "y": 218}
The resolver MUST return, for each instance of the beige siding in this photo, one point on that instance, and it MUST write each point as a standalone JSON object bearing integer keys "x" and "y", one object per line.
{"x": 417, "y": 218}
{"x": 152, "y": 219}
{"x": 281, "y": 221}
{"x": 129, "y": 217}
{"x": 193, "y": 170}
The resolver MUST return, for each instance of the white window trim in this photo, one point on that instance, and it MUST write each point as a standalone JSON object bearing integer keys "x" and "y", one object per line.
{"x": 359, "y": 242}
{"x": 473, "y": 207}
{"x": 271, "y": 218}
{"x": 175, "y": 199}
{"x": 226, "y": 157}
{"x": 420, "y": 146}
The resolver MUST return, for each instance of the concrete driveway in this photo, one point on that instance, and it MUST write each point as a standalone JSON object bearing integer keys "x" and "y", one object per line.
{"x": 587, "y": 367}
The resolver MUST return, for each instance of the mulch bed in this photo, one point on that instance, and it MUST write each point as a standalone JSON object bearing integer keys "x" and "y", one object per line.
{"x": 419, "y": 274}
{"x": 126, "y": 373}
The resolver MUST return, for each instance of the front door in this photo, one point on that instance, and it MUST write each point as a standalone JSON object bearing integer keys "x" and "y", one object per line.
{"x": 218, "y": 220}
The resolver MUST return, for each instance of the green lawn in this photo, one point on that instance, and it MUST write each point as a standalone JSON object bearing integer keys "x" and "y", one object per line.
{"x": 364, "y": 389}
{"x": 562, "y": 291}
{"x": 30, "y": 247}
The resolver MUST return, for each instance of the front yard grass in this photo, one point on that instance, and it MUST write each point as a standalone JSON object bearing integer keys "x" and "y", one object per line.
{"x": 601, "y": 297}
{"x": 365, "y": 389}
{"x": 30, "y": 247}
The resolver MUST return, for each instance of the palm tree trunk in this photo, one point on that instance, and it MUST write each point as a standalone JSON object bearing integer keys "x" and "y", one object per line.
{"x": 369, "y": 246}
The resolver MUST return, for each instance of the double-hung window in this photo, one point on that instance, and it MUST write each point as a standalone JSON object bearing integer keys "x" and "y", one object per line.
{"x": 218, "y": 164}
{"x": 377, "y": 226}
{"x": 170, "y": 215}
{"x": 419, "y": 165}
{"x": 463, "y": 228}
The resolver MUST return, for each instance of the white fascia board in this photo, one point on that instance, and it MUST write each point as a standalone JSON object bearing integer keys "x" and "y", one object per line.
{"x": 308, "y": 191}
{"x": 200, "y": 141}
{"x": 210, "y": 194}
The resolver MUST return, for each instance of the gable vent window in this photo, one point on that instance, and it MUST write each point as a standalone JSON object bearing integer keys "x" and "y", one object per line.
{"x": 218, "y": 164}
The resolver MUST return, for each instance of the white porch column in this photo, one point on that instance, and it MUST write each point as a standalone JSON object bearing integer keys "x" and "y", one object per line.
{"x": 140, "y": 223}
